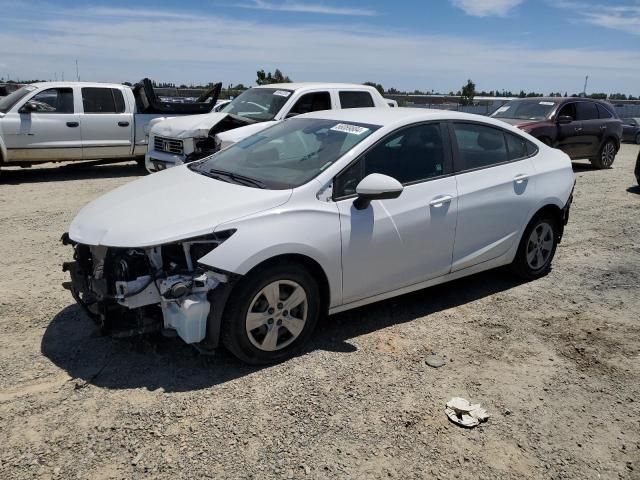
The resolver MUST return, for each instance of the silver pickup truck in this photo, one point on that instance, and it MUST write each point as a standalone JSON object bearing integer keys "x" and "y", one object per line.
{"x": 66, "y": 121}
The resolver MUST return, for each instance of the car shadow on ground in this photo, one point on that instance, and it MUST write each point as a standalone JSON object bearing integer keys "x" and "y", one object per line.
{"x": 635, "y": 189}
{"x": 69, "y": 172}
{"x": 152, "y": 362}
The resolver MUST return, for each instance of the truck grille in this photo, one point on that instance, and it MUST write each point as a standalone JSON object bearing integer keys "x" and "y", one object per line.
{"x": 168, "y": 145}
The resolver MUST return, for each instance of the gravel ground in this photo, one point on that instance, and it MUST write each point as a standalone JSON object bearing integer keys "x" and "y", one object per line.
{"x": 556, "y": 362}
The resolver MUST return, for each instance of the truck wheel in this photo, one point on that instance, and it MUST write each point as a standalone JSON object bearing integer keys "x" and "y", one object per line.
{"x": 638, "y": 139}
{"x": 537, "y": 248}
{"x": 271, "y": 313}
{"x": 606, "y": 156}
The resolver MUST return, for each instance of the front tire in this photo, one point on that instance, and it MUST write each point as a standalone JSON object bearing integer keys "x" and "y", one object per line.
{"x": 537, "y": 248}
{"x": 638, "y": 139}
{"x": 606, "y": 155}
{"x": 271, "y": 313}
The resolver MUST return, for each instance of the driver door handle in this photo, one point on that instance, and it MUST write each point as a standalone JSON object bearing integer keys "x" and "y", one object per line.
{"x": 578, "y": 129}
{"x": 521, "y": 178}
{"x": 123, "y": 124}
{"x": 440, "y": 201}
{"x": 72, "y": 124}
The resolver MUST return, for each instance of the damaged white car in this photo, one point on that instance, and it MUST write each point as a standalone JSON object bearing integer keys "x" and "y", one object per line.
{"x": 319, "y": 214}
{"x": 181, "y": 140}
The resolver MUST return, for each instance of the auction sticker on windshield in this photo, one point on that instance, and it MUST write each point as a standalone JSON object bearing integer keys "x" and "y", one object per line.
{"x": 282, "y": 93}
{"x": 346, "y": 128}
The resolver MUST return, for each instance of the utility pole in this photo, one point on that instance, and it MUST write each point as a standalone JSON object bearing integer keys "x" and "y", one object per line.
{"x": 77, "y": 71}
{"x": 584, "y": 90}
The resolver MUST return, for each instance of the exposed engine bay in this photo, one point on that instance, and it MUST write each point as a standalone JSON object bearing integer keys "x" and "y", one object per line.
{"x": 129, "y": 291}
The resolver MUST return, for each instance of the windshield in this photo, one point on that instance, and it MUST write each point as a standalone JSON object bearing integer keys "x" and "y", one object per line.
{"x": 261, "y": 104}
{"x": 525, "y": 110}
{"x": 10, "y": 100}
{"x": 286, "y": 155}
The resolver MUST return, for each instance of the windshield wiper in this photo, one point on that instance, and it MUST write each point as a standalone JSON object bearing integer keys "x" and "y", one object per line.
{"x": 237, "y": 178}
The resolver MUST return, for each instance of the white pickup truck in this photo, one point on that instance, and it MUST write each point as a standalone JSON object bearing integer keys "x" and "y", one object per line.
{"x": 63, "y": 121}
{"x": 181, "y": 140}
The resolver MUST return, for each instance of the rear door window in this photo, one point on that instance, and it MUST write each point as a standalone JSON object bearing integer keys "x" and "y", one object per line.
{"x": 586, "y": 111}
{"x": 102, "y": 100}
{"x": 479, "y": 146}
{"x": 54, "y": 100}
{"x": 603, "y": 112}
{"x": 355, "y": 99}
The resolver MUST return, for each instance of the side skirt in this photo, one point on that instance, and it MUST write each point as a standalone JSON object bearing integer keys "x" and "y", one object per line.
{"x": 505, "y": 259}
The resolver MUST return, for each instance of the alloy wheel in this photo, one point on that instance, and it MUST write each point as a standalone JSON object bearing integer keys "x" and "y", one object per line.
{"x": 277, "y": 315}
{"x": 608, "y": 154}
{"x": 539, "y": 246}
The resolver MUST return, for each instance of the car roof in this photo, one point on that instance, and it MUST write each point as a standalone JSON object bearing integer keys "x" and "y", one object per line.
{"x": 78, "y": 84}
{"x": 314, "y": 85}
{"x": 391, "y": 116}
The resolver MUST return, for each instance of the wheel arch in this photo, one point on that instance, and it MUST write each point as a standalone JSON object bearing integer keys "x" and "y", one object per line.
{"x": 554, "y": 212}
{"x": 312, "y": 265}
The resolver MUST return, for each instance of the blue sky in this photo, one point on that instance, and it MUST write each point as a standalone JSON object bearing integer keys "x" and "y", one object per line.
{"x": 541, "y": 45}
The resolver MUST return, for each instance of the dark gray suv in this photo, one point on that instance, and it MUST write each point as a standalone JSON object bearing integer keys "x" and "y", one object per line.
{"x": 580, "y": 127}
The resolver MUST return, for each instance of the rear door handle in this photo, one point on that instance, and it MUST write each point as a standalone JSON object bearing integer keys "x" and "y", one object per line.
{"x": 440, "y": 201}
{"x": 603, "y": 127}
{"x": 578, "y": 129}
{"x": 123, "y": 124}
{"x": 523, "y": 177}
{"x": 73, "y": 124}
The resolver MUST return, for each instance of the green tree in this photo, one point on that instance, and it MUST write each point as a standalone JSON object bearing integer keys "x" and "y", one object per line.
{"x": 268, "y": 78}
{"x": 467, "y": 93}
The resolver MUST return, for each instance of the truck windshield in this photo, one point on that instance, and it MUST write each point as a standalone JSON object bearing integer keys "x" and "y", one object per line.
{"x": 525, "y": 109}
{"x": 261, "y": 104}
{"x": 286, "y": 155}
{"x": 6, "y": 103}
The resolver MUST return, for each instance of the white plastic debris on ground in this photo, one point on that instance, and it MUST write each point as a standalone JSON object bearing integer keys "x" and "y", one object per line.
{"x": 461, "y": 412}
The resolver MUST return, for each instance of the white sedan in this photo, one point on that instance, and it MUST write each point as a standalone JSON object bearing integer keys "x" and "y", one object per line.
{"x": 319, "y": 214}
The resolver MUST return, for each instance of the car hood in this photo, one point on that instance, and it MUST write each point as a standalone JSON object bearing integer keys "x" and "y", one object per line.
{"x": 188, "y": 126}
{"x": 168, "y": 206}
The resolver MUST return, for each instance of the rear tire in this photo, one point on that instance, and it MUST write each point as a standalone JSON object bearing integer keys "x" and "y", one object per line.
{"x": 638, "y": 139}
{"x": 537, "y": 248}
{"x": 606, "y": 156}
{"x": 271, "y": 313}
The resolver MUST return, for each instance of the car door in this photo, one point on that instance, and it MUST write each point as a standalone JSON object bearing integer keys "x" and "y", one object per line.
{"x": 396, "y": 243}
{"x": 495, "y": 180}
{"x": 593, "y": 128}
{"x": 568, "y": 137}
{"x": 106, "y": 124}
{"x": 49, "y": 132}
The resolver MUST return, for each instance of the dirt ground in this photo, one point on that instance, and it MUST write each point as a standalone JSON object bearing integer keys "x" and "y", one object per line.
{"x": 556, "y": 362}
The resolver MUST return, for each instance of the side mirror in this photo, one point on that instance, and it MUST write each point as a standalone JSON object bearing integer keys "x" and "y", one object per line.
{"x": 28, "y": 108}
{"x": 376, "y": 186}
{"x": 564, "y": 119}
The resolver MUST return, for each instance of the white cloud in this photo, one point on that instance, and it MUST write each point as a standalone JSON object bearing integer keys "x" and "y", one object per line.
{"x": 625, "y": 18}
{"x": 166, "y": 47}
{"x": 486, "y": 8}
{"x": 301, "y": 7}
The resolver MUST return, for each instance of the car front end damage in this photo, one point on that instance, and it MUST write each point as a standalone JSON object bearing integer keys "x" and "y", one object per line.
{"x": 130, "y": 291}
{"x": 172, "y": 147}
